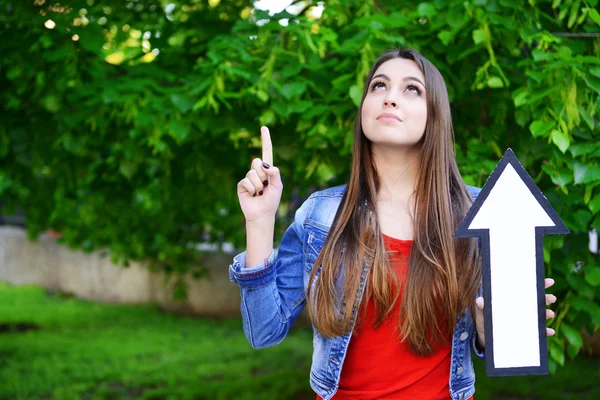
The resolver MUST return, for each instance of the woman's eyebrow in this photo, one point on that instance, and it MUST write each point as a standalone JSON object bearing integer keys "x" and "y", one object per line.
{"x": 408, "y": 78}
{"x": 384, "y": 76}
{"x": 412, "y": 78}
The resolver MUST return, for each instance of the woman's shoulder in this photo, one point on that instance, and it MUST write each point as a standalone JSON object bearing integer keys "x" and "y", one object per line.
{"x": 336, "y": 191}
{"x": 321, "y": 206}
{"x": 473, "y": 191}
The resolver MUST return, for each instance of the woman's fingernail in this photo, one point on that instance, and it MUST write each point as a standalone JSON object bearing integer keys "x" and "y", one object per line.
{"x": 267, "y": 166}
{"x": 266, "y": 183}
{"x": 260, "y": 193}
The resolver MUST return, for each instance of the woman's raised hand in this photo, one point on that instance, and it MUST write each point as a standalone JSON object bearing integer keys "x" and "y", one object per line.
{"x": 260, "y": 191}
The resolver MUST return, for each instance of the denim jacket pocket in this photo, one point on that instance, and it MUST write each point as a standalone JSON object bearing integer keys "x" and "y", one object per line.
{"x": 315, "y": 241}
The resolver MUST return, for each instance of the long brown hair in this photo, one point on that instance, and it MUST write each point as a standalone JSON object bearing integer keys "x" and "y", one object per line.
{"x": 444, "y": 273}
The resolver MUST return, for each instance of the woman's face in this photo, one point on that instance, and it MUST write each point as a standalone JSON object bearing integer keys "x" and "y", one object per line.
{"x": 394, "y": 112}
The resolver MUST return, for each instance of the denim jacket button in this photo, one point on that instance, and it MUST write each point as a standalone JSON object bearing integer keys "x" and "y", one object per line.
{"x": 460, "y": 370}
{"x": 464, "y": 336}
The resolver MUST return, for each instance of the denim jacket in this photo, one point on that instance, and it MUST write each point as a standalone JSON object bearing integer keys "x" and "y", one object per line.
{"x": 274, "y": 293}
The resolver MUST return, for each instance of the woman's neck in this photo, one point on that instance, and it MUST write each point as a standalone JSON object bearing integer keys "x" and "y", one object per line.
{"x": 397, "y": 168}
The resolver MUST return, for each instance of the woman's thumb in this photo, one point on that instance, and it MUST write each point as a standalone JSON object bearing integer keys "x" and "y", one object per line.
{"x": 273, "y": 173}
{"x": 479, "y": 302}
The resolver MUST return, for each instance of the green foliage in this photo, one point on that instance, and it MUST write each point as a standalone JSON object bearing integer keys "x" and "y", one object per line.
{"x": 134, "y": 136}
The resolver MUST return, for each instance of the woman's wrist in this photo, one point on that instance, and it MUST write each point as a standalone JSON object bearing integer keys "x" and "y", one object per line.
{"x": 259, "y": 240}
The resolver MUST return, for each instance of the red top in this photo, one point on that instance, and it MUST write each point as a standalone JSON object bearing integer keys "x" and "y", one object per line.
{"x": 379, "y": 366}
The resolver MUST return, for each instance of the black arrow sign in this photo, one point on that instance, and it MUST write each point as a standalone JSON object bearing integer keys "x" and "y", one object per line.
{"x": 511, "y": 216}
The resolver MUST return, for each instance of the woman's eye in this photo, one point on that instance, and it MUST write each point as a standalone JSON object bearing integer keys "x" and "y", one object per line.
{"x": 377, "y": 85}
{"x": 414, "y": 88}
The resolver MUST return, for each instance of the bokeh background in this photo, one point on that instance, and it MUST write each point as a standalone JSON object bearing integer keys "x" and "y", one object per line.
{"x": 126, "y": 125}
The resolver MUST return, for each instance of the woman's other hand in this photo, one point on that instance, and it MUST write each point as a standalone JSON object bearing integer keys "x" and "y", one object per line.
{"x": 479, "y": 325}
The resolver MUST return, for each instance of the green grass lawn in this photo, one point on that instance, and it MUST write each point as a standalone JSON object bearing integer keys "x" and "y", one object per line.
{"x": 57, "y": 347}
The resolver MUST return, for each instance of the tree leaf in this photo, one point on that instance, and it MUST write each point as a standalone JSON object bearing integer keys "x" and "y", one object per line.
{"x": 262, "y": 96}
{"x": 559, "y": 176}
{"x": 426, "y": 10}
{"x": 572, "y": 351}
{"x": 539, "y": 55}
{"x": 588, "y": 194}
{"x": 520, "y": 97}
{"x": 579, "y": 171}
{"x": 179, "y": 130}
{"x": 536, "y": 75}
{"x": 572, "y": 335}
{"x": 267, "y": 117}
{"x": 538, "y": 95}
{"x": 573, "y": 15}
{"x": 592, "y": 82}
{"x": 561, "y": 140}
{"x": 592, "y": 174}
{"x": 356, "y": 95}
{"x": 594, "y": 204}
{"x": 593, "y": 276}
{"x": 552, "y": 366}
{"x": 182, "y": 103}
{"x": 299, "y": 106}
{"x": 495, "y": 82}
{"x": 587, "y": 305}
{"x": 584, "y": 173}
{"x": 128, "y": 168}
{"x": 281, "y": 108}
{"x": 557, "y": 354}
{"x": 479, "y": 36}
{"x": 582, "y": 218}
{"x": 595, "y": 71}
{"x": 293, "y": 89}
{"x": 51, "y": 103}
{"x": 586, "y": 117}
{"x": 541, "y": 128}
{"x": 594, "y": 15}
{"x": 14, "y": 72}
{"x": 446, "y": 37}
{"x": 582, "y": 148}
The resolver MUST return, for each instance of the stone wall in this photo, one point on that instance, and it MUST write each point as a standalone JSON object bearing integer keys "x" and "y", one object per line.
{"x": 94, "y": 277}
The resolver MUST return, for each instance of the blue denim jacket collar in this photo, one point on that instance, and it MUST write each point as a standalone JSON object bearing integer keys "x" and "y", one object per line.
{"x": 273, "y": 295}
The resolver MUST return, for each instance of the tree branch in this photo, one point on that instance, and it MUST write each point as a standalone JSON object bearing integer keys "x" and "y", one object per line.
{"x": 568, "y": 34}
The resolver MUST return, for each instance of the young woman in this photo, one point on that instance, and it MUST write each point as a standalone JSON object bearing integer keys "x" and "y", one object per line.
{"x": 390, "y": 294}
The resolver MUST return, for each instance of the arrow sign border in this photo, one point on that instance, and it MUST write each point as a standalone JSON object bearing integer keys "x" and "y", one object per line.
{"x": 463, "y": 231}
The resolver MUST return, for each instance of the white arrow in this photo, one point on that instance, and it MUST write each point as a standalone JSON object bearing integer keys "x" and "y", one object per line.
{"x": 510, "y": 216}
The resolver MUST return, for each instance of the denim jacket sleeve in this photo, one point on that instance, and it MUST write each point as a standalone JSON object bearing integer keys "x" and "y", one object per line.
{"x": 272, "y": 293}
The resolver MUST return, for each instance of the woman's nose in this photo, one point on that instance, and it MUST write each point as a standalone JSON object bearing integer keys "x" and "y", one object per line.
{"x": 390, "y": 103}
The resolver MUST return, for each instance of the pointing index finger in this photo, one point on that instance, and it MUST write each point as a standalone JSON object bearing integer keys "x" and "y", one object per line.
{"x": 267, "y": 147}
